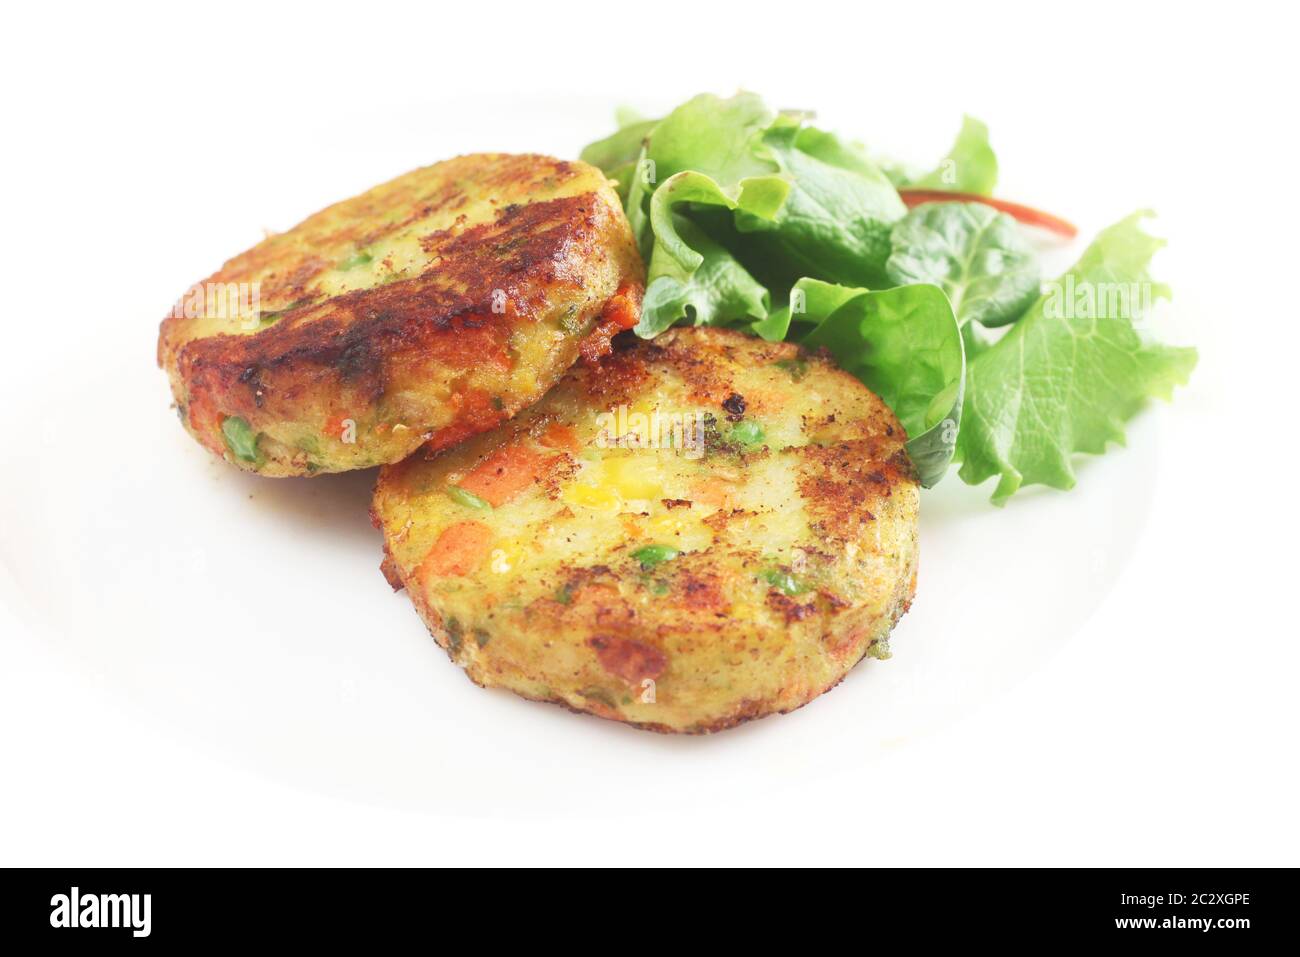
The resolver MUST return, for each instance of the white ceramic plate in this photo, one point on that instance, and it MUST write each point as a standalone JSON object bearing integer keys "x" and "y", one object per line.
{"x": 249, "y": 617}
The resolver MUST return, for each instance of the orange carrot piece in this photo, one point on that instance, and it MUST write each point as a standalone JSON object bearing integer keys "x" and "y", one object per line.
{"x": 505, "y": 473}
{"x": 624, "y": 309}
{"x": 459, "y": 550}
{"x": 475, "y": 413}
{"x": 560, "y": 436}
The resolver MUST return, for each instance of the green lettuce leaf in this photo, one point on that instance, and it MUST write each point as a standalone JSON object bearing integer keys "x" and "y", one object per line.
{"x": 639, "y": 186}
{"x": 905, "y": 345}
{"x": 978, "y": 256}
{"x": 836, "y": 222}
{"x": 621, "y": 156}
{"x": 1067, "y": 376}
{"x": 971, "y": 166}
{"x": 715, "y": 291}
{"x": 671, "y": 282}
{"x": 797, "y": 203}
{"x": 619, "y": 150}
{"x": 713, "y": 136}
{"x": 703, "y": 154}
{"x": 759, "y": 196}
{"x": 732, "y": 204}
{"x": 810, "y": 302}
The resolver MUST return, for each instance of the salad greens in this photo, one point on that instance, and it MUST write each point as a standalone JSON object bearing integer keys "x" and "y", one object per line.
{"x": 758, "y": 220}
{"x": 970, "y": 166}
{"x": 979, "y": 256}
{"x": 905, "y": 345}
{"x": 1069, "y": 373}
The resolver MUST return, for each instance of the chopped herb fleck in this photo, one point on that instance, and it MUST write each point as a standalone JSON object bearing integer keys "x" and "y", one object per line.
{"x": 655, "y": 586}
{"x": 352, "y": 262}
{"x": 798, "y": 368}
{"x": 782, "y": 580}
{"x": 651, "y": 555}
{"x": 599, "y": 694}
{"x": 454, "y": 634}
{"x": 240, "y": 438}
{"x": 747, "y": 433}
{"x": 271, "y": 318}
{"x": 569, "y": 321}
{"x": 468, "y": 499}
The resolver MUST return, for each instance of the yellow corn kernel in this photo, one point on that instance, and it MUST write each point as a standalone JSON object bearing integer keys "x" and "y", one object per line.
{"x": 634, "y": 477}
{"x": 593, "y": 496}
{"x": 666, "y": 526}
{"x": 613, "y": 482}
{"x": 507, "y": 556}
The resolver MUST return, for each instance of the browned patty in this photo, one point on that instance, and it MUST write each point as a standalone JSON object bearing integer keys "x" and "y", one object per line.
{"x": 737, "y": 572}
{"x": 428, "y": 309}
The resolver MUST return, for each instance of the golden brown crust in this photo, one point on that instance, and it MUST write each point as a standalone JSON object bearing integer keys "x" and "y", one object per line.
{"x": 778, "y": 558}
{"x": 430, "y": 308}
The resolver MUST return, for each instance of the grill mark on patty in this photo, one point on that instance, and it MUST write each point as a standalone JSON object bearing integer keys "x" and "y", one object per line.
{"x": 357, "y": 333}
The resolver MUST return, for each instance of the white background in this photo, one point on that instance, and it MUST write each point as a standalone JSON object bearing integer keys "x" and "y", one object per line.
{"x": 197, "y": 667}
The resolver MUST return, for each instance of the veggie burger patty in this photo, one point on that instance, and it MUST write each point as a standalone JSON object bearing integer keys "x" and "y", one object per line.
{"x": 702, "y": 529}
{"x": 430, "y": 308}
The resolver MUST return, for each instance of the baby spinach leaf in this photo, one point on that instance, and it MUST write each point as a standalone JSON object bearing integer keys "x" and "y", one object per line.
{"x": 731, "y": 204}
{"x": 904, "y": 343}
{"x": 977, "y": 255}
{"x": 811, "y": 301}
{"x": 836, "y": 221}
